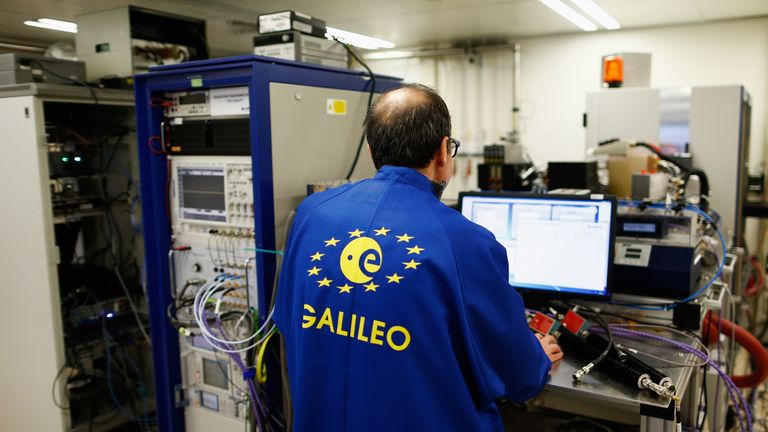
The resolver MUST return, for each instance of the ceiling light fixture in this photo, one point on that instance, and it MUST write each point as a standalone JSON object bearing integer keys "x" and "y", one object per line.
{"x": 358, "y": 40}
{"x": 387, "y": 55}
{"x": 52, "y": 24}
{"x": 570, "y": 14}
{"x": 598, "y": 14}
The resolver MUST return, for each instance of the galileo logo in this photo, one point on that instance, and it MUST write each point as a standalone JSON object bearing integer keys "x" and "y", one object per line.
{"x": 354, "y": 326}
{"x": 362, "y": 263}
{"x": 365, "y": 264}
{"x": 360, "y": 260}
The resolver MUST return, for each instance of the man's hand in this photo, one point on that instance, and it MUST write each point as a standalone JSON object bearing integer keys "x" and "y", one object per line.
{"x": 551, "y": 348}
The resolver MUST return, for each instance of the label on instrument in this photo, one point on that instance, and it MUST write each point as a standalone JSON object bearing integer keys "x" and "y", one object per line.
{"x": 543, "y": 324}
{"x": 230, "y": 101}
{"x": 574, "y": 322}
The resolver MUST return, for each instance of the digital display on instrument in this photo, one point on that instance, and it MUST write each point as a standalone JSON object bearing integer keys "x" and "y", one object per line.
{"x": 215, "y": 374}
{"x": 202, "y": 195}
{"x": 200, "y": 342}
{"x": 636, "y": 227}
{"x": 209, "y": 400}
{"x": 193, "y": 98}
{"x": 555, "y": 244}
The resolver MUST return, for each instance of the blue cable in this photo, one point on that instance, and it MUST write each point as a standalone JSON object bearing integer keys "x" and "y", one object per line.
{"x": 709, "y": 283}
{"x": 142, "y": 387}
{"x": 143, "y": 420}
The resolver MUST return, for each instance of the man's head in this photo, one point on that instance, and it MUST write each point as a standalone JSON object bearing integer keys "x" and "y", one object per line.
{"x": 409, "y": 126}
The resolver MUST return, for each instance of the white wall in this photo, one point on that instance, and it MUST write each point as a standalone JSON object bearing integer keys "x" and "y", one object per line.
{"x": 479, "y": 95}
{"x": 558, "y": 71}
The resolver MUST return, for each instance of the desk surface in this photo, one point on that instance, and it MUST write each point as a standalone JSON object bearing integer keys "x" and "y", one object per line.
{"x": 599, "y": 386}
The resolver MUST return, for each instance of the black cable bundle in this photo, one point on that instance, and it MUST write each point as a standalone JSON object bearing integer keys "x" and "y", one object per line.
{"x": 600, "y": 342}
{"x": 687, "y": 173}
{"x": 610, "y": 365}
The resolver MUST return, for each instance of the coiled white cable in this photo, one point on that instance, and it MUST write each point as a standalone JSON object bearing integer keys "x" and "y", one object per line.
{"x": 203, "y": 296}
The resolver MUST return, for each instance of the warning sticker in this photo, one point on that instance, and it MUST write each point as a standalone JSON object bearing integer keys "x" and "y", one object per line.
{"x": 336, "y": 107}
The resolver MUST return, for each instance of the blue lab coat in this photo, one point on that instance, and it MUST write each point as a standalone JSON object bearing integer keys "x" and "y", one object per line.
{"x": 397, "y": 314}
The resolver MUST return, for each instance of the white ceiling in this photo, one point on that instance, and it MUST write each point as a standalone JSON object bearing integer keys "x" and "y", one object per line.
{"x": 405, "y": 22}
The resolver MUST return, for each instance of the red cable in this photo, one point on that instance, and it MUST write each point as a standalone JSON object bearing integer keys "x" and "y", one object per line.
{"x": 753, "y": 346}
{"x": 159, "y": 102}
{"x": 755, "y": 286}
{"x": 152, "y": 148}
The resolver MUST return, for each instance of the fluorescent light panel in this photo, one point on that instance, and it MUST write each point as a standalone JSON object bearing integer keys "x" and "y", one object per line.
{"x": 384, "y": 55}
{"x": 53, "y": 24}
{"x": 570, "y": 14}
{"x": 358, "y": 40}
{"x": 597, "y": 13}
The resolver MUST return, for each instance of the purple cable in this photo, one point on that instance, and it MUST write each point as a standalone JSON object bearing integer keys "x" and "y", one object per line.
{"x": 258, "y": 409}
{"x": 717, "y": 384}
{"x": 702, "y": 356}
{"x": 732, "y": 389}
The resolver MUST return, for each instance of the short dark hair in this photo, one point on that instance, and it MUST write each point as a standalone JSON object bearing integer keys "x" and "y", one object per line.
{"x": 407, "y": 133}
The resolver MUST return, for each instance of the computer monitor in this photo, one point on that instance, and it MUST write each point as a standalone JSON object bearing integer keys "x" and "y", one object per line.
{"x": 558, "y": 245}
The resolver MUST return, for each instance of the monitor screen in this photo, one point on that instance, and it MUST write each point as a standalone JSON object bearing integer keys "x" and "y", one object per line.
{"x": 215, "y": 373}
{"x": 201, "y": 194}
{"x": 554, "y": 243}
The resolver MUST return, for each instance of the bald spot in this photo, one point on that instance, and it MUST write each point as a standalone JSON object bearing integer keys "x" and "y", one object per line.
{"x": 391, "y": 105}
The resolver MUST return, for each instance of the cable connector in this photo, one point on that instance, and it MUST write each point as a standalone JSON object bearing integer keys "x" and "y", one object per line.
{"x": 661, "y": 390}
{"x": 581, "y": 373}
{"x": 249, "y": 373}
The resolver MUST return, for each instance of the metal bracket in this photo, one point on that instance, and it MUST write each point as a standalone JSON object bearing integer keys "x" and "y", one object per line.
{"x": 181, "y": 402}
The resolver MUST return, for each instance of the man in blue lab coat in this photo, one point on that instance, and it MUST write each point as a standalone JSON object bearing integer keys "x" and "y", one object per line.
{"x": 395, "y": 309}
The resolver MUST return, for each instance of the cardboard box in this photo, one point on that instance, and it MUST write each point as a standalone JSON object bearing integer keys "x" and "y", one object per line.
{"x": 621, "y": 168}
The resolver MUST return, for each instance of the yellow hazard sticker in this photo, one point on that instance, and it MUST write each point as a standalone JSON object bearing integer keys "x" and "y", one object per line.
{"x": 336, "y": 107}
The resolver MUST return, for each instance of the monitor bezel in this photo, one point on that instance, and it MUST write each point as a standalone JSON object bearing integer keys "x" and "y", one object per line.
{"x": 611, "y": 242}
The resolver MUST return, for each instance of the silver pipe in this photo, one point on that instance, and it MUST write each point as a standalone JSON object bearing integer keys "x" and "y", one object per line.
{"x": 18, "y": 47}
{"x": 436, "y": 52}
{"x": 162, "y": 135}
{"x": 172, "y": 268}
{"x": 515, "y": 135}
{"x": 247, "y": 287}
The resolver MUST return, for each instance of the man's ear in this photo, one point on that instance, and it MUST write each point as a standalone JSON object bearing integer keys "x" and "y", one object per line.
{"x": 441, "y": 157}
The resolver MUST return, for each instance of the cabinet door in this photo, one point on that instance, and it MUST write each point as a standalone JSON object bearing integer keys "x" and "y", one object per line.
{"x": 627, "y": 114}
{"x": 33, "y": 341}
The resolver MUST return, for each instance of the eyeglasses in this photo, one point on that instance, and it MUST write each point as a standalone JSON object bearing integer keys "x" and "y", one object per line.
{"x": 455, "y": 144}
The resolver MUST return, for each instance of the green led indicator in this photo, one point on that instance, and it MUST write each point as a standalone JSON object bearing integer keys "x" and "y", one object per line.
{"x": 65, "y": 159}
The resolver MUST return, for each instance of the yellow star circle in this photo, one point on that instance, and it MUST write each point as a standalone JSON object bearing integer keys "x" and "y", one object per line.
{"x": 365, "y": 261}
